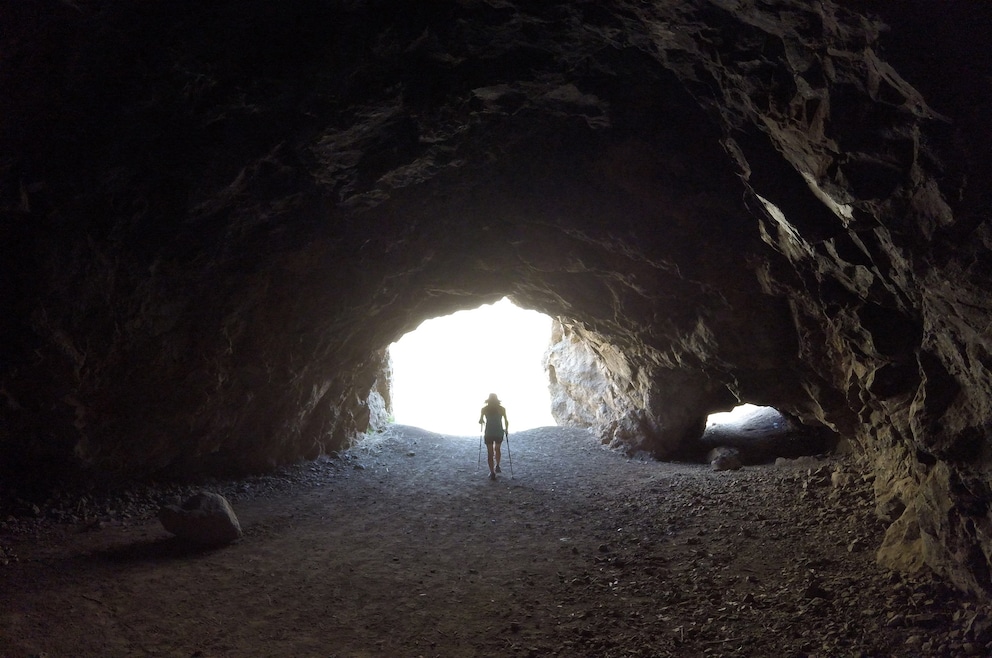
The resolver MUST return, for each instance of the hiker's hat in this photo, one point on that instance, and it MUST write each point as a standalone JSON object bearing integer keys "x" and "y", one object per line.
{"x": 492, "y": 398}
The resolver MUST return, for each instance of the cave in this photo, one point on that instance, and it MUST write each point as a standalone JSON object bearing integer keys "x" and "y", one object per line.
{"x": 215, "y": 218}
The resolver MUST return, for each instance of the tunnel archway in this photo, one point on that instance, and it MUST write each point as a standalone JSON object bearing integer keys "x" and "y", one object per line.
{"x": 580, "y": 207}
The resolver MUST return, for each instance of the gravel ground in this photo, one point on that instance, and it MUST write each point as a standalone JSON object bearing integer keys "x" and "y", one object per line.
{"x": 403, "y": 547}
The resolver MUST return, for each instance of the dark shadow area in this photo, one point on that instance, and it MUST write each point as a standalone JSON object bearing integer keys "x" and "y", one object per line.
{"x": 156, "y": 550}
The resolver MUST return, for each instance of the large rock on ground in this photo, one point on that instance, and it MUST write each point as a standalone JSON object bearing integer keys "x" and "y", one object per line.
{"x": 206, "y": 519}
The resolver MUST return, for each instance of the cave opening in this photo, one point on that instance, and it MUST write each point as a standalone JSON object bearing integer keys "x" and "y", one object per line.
{"x": 754, "y": 434}
{"x": 443, "y": 371}
{"x": 743, "y": 417}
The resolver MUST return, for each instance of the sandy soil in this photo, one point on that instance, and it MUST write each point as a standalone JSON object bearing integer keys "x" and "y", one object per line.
{"x": 403, "y": 547}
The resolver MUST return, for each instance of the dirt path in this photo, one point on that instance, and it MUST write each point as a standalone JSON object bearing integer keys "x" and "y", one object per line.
{"x": 404, "y": 548}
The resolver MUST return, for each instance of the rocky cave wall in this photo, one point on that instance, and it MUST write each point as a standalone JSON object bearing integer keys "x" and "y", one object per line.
{"x": 215, "y": 216}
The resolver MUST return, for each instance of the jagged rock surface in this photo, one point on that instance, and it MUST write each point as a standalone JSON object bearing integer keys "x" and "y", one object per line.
{"x": 215, "y": 216}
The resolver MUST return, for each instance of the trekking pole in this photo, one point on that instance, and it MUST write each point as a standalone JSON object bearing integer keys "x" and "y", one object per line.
{"x": 509, "y": 457}
{"x": 479, "y": 465}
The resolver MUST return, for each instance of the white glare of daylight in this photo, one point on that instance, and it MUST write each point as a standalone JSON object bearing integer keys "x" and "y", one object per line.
{"x": 445, "y": 369}
{"x": 741, "y": 416}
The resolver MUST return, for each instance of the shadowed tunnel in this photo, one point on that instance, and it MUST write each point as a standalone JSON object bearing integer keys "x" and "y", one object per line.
{"x": 217, "y": 216}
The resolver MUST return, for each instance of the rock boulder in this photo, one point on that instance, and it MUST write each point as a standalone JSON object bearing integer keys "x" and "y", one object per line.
{"x": 206, "y": 519}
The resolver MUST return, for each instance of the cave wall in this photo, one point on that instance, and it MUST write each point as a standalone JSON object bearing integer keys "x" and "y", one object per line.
{"x": 885, "y": 288}
{"x": 215, "y": 216}
{"x": 630, "y": 404}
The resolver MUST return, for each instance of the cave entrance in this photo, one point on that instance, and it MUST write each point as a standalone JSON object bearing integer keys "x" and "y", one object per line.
{"x": 444, "y": 370}
{"x": 751, "y": 433}
{"x": 761, "y": 434}
{"x": 744, "y": 418}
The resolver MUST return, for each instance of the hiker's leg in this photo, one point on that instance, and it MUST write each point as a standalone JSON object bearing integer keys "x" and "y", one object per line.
{"x": 497, "y": 445}
{"x": 489, "y": 454}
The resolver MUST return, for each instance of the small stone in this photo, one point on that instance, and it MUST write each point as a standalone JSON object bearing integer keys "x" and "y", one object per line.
{"x": 840, "y": 479}
{"x": 725, "y": 459}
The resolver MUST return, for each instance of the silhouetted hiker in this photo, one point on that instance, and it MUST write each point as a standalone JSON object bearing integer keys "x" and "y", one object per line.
{"x": 494, "y": 416}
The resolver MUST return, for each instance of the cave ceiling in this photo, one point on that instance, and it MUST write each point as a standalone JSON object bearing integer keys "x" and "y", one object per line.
{"x": 215, "y": 216}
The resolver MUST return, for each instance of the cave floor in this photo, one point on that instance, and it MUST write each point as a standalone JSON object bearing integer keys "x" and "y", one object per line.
{"x": 403, "y": 547}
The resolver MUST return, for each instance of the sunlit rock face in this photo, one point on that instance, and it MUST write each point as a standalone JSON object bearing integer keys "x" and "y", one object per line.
{"x": 216, "y": 215}
{"x": 635, "y": 408}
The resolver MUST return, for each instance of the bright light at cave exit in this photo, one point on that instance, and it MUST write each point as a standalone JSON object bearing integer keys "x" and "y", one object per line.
{"x": 737, "y": 416}
{"x": 445, "y": 369}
